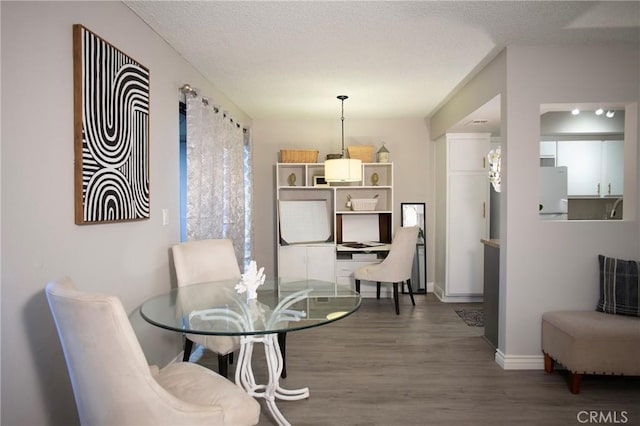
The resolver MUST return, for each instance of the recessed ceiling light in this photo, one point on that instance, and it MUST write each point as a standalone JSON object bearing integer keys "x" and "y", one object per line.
{"x": 575, "y": 111}
{"x": 599, "y": 111}
{"x": 610, "y": 114}
{"x": 479, "y": 121}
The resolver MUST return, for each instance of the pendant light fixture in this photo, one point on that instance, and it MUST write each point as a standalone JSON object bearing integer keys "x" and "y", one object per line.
{"x": 343, "y": 169}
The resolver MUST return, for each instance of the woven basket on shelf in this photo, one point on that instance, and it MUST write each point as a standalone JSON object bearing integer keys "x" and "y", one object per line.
{"x": 298, "y": 156}
{"x": 363, "y": 153}
{"x": 363, "y": 204}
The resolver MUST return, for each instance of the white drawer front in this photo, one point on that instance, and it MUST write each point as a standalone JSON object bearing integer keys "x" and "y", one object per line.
{"x": 345, "y": 268}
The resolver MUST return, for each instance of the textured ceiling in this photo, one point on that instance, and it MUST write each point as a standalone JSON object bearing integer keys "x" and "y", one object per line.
{"x": 392, "y": 58}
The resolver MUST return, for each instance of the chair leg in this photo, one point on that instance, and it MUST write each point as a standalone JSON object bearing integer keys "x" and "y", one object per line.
{"x": 378, "y": 290}
{"x": 231, "y": 358}
{"x": 395, "y": 298}
{"x": 188, "y": 345}
{"x": 358, "y": 286}
{"x": 548, "y": 363}
{"x": 574, "y": 383}
{"x": 411, "y": 292}
{"x": 223, "y": 365}
{"x": 282, "y": 342}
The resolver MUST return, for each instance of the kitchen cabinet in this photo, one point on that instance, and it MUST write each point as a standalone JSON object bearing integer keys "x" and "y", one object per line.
{"x": 491, "y": 292}
{"x": 548, "y": 153}
{"x": 613, "y": 168}
{"x": 595, "y": 167}
{"x": 316, "y": 255}
{"x": 462, "y": 215}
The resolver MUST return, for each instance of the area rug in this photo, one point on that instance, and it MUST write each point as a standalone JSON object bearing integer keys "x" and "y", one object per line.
{"x": 473, "y": 317}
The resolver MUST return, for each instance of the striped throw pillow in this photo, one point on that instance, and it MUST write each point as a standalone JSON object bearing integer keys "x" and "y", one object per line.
{"x": 619, "y": 286}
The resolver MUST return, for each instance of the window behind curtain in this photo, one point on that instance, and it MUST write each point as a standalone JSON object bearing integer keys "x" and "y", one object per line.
{"x": 248, "y": 181}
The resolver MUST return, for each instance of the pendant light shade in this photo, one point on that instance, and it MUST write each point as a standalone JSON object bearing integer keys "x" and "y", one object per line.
{"x": 342, "y": 169}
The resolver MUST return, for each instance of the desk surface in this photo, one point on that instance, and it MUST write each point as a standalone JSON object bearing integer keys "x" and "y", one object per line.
{"x": 357, "y": 247}
{"x": 283, "y": 305}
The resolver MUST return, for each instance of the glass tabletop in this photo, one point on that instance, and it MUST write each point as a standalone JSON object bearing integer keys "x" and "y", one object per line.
{"x": 282, "y": 305}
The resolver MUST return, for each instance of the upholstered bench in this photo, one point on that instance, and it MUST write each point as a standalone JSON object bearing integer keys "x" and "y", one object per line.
{"x": 591, "y": 342}
{"x": 604, "y": 341}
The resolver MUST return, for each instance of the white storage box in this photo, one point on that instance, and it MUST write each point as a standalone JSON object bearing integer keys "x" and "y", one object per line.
{"x": 363, "y": 204}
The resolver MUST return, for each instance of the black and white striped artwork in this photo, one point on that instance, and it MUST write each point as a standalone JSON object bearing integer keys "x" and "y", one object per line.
{"x": 111, "y": 102}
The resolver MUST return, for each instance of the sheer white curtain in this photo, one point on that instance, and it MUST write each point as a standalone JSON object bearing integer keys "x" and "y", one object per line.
{"x": 218, "y": 177}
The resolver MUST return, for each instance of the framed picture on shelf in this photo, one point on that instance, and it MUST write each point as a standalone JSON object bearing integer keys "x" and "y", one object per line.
{"x": 320, "y": 181}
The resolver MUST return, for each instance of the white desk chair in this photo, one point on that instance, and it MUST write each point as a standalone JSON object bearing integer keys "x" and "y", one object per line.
{"x": 112, "y": 382}
{"x": 396, "y": 267}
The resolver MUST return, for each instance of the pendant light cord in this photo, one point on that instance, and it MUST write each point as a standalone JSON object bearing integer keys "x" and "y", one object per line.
{"x": 342, "y": 98}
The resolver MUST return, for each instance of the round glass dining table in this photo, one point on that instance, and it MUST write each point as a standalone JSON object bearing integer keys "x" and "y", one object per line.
{"x": 282, "y": 305}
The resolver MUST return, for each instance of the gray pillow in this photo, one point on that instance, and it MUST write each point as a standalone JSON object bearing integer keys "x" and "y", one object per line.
{"x": 619, "y": 286}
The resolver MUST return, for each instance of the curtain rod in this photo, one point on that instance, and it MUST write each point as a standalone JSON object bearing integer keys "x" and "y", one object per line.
{"x": 188, "y": 90}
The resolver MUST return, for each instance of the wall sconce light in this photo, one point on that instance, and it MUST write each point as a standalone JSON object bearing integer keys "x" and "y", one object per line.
{"x": 343, "y": 169}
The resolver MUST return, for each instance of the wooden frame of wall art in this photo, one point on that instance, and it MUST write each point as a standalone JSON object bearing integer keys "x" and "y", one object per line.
{"x": 111, "y": 132}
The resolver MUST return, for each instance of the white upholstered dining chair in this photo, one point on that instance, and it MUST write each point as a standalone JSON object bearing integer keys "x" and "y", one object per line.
{"x": 112, "y": 382}
{"x": 396, "y": 267}
{"x": 200, "y": 261}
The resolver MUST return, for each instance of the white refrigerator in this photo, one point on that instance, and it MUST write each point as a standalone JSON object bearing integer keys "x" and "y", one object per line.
{"x": 554, "y": 203}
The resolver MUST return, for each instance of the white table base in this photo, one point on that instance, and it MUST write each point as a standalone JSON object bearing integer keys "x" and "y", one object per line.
{"x": 272, "y": 390}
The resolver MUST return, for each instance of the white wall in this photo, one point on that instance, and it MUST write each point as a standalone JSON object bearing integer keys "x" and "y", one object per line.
{"x": 406, "y": 139}
{"x": 553, "y": 265}
{"x": 486, "y": 85}
{"x": 549, "y": 265}
{"x": 40, "y": 241}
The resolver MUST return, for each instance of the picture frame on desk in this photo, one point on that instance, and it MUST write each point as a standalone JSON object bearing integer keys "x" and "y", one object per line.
{"x": 320, "y": 181}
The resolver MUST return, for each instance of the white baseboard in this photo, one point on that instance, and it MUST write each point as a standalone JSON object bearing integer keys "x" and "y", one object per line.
{"x": 519, "y": 362}
{"x": 439, "y": 292}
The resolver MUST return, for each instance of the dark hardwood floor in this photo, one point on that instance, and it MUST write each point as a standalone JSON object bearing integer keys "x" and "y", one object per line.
{"x": 427, "y": 367}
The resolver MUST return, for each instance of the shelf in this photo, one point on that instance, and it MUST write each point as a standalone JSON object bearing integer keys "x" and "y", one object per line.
{"x": 304, "y": 173}
{"x": 295, "y": 182}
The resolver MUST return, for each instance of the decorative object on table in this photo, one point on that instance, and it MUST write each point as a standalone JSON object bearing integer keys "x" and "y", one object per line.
{"x": 374, "y": 179}
{"x": 342, "y": 169}
{"x": 494, "y": 168}
{"x": 292, "y": 179}
{"x": 383, "y": 154}
{"x": 471, "y": 317}
{"x": 111, "y": 132}
{"x": 364, "y": 153}
{"x": 298, "y": 155}
{"x": 251, "y": 280}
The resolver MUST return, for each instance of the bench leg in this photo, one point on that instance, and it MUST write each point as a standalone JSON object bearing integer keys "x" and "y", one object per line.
{"x": 548, "y": 363}
{"x": 574, "y": 383}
